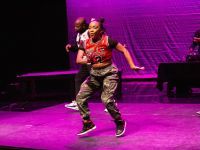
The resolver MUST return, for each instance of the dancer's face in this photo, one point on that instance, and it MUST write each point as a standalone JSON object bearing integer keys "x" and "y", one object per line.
{"x": 78, "y": 26}
{"x": 94, "y": 29}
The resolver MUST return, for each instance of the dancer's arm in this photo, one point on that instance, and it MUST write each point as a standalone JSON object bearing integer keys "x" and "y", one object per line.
{"x": 81, "y": 58}
{"x": 128, "y": 57}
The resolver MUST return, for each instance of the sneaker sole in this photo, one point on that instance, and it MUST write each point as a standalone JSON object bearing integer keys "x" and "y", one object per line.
{"x": 74, "y": 108}
{"x": 105, "y": 110}
{"x": 73, "y": 104}
{"x": 70, "y": 106}
{"x": 123, "y": 131}
{"x": 87, "y": 131}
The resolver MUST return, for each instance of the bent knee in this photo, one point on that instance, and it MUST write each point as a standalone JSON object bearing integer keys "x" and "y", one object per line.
{"x": 106, "y": 101}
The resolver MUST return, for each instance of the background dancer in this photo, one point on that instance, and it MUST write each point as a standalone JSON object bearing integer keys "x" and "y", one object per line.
{"x": 81, "y": 28}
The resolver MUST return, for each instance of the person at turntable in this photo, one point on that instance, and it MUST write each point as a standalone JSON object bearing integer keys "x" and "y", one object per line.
{"x": 195, "y": 46}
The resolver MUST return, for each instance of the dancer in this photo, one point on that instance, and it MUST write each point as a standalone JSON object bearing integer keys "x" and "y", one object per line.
{"x": 98, "y": 50}
{"x": 195, "y": 46}
{"x": 81, "y": 28}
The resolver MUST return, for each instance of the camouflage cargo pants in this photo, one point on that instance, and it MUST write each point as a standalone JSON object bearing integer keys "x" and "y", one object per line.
{"x": 107, "y": 79}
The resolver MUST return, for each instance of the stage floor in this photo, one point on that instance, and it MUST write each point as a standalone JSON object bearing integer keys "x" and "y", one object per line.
{"x": 149, "y": 126}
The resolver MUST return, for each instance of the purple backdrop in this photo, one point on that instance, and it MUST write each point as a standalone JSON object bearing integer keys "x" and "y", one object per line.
{"x": 153, "y": 31}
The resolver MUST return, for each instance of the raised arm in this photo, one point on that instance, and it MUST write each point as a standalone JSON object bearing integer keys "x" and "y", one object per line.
{"x": 128, "y": 57}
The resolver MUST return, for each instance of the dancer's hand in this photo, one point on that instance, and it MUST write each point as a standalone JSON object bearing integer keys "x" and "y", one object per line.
{"x": 138, "y": 68}
{"x": 195, "y": 39}
{"x": 67, "y": 47}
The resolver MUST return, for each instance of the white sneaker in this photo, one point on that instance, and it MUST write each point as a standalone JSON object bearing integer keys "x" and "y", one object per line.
{"x": 72, "y": 105}
{"x": 74, "y": 108}
{"x": 106, "y": 110}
